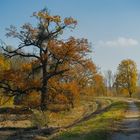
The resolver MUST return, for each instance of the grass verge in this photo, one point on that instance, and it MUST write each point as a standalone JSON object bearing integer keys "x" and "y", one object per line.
{"x": 97, "y": 128}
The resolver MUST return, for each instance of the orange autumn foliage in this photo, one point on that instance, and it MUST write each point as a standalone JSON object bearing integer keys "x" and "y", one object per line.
{"x": 56, "y": 69}
{"x": 31, "y": 100}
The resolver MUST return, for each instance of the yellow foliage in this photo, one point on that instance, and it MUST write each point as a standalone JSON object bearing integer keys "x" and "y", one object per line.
{"x": 26, "y": 66}
{"x": 126, "y": 77}
{"x": 4, "y": 64}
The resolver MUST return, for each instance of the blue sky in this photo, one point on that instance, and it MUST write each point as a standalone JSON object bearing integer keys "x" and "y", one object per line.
{"x": 112, "y": 26}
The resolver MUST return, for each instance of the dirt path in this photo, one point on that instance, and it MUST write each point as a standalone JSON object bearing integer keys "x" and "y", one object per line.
{"x": 129, "y": 128}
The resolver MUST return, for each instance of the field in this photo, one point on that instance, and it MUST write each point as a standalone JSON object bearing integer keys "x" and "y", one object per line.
{"x": 95, "y": 119}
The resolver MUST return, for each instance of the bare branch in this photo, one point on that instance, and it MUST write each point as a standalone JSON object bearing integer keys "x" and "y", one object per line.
{"x": 56, "y": 73}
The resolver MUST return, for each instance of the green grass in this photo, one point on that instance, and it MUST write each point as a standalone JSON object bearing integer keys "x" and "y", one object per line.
{"x": 97, "y": 128}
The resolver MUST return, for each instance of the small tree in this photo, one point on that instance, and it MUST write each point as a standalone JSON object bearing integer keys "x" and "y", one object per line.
{"x": 126, "y": 77}
{"x": 109, "y": 77}
{"x": 47, "y": 54}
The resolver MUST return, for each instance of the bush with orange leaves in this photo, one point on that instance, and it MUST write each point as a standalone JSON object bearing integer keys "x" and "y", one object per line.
{"x": 31, "y": 100}
{"x": 63, "y": 93}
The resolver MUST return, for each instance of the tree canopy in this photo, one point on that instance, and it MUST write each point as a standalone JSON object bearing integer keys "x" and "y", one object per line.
{"x": 126, "y": 77}
{"x": 48, "y": 55}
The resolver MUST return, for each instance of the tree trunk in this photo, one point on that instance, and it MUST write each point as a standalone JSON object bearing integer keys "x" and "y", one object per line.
{"x": 43, "y": 98}
{"x": 130, "y": 94}
{"x": 44, "y": 90}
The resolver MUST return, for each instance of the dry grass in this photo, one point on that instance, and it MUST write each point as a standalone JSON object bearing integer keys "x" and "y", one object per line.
{"x": 84, "y": 108}
{"x": 16, "y": 124}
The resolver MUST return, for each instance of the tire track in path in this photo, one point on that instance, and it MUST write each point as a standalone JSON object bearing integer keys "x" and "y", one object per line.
{"x": 129, "y": 128}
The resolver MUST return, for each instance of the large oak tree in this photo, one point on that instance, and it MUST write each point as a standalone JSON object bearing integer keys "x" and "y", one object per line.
{"x": 48, "y": 55}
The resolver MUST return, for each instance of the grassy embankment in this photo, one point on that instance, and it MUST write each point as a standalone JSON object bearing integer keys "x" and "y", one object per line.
{"x": 97, "y": 128}
{"x": 85, "y": 107}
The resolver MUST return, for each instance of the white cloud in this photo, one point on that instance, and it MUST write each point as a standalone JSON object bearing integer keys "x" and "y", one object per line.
{"x": 119, "y": 42}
